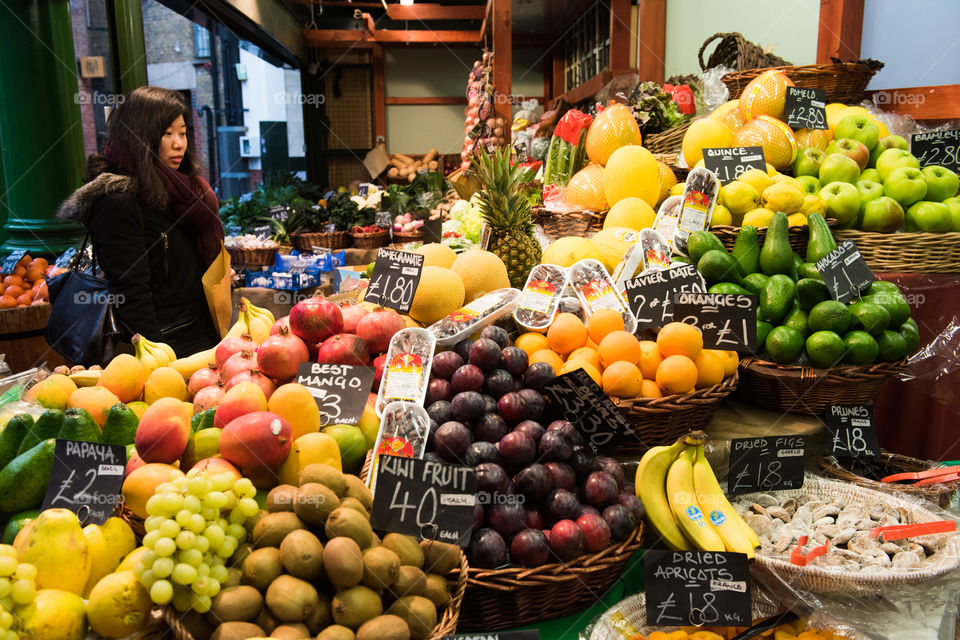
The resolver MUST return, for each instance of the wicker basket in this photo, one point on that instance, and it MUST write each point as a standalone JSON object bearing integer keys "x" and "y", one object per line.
{"x": 906, "y": 252}
{"x": 132, "y": 519}
{"x": 798, "y": 235}
{"x": 285, "y": 248}
{"x": 373, "y": 240}
{"x": 738, "y": 53}
{"x": 659, "y": 421}
{"x": 572, "y": 223}
{"x": 799, "y": 389}
{"x": 668, "y": 141}
{"x": 843, "y": 82}
{"x": 400, "y": 237}
{"x": 305, "y": 242}
{"x": 504, "y": 598}
{"x": 251, "y": 258}
{"x": 940, "y": 493}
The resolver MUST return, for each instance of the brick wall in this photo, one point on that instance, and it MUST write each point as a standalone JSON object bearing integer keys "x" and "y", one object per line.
{"x": 78, "y": 15}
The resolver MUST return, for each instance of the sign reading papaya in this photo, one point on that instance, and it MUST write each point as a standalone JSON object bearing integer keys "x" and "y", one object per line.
{"x": 86, "y": 479}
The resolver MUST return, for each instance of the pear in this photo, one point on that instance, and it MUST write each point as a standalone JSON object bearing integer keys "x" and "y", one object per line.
{"x": 55, "y": 544}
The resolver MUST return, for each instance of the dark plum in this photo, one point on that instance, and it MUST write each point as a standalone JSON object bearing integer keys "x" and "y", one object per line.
{"x": 535, "y": 403}
{"x": 589, "y": 508}
{"x": 611, "y": 466}
{"x": 438, "y": 389}
{"x": 462, "y": 349}
{"x": 620, "y": 521}
{"x": 561, "y": 505}
{"x": 484, "y": 353}
{"x": 479, "y": 515}
{"x": 434, "y": 425}
{"x": 517, "y": 448}
{"x": 534, "y": 519}
{"x": 596, "y": 533}
{"x": 512, "y": 407}
{"x": 451, "y": 441}
{"x": 628, "y": 486}
{"x": 479, "y": 452}
{"x": 530, "y": 548}
{"x": 563, "y": 475}
{"x": 467, "y": 378}
{"x": 440, "y": 411}
{"x": 538, "y": 375}
{"x": 567, "y": 429}
{"x": 466, "y": 406}
{"x": 497, "y": 334}
{"x": 490, "y": 427}
{"x": 601, "y": 489}
{"x": 633, "y": 503}
{"x": 515, "y": 361}
{"x": 582, "y": 461}
{"x": 533, "y": 429}
{"x": 506, "y": 518}
{"x": 497, "y": 383}
{"x": 554, "y": 446}
{"x": 534, "y": 482}
{"x": 489, "y": 404}
{"x": 487, "y": 549}
{"x": 444, "y": 364}
{"x": 492, "y": 479}
{"x": 566, "y": 539}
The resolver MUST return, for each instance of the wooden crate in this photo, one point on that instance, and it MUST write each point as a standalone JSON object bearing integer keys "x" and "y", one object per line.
{"x": 22, "y": 339}
{"x": 441, "y": 159}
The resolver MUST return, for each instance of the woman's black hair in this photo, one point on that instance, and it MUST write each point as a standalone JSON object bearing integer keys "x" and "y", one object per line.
{"x": 134, "y": 131}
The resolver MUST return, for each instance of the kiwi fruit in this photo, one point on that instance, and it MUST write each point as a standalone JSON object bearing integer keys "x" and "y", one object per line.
{"x": 343, "y": 562}
{"x": 353, "y": 503}
{"x": 267, "y": 621}
{"x": 356, "y": 489}
{"x": 274, "y": 527}
{"x": 234, "y": 578}
{"x": 262, "y": 567}
{"x": 291, "y": 599}
{"x": 336, "y": 632}
{"x": 324, "y": 474}
{"x": 354, "y": 606}
{"x": 380, "y": 568}
{"x": 410, "y": 582}
{"x": 436, "y": 590}
{"x": 384, "y": 628}
{"x": 236, "y": 604}
{"x": 301, "y": 554}
{"x": 280, "y": 498}
{"x": 349, "y": 523}
{"x": 237, "y": 631}
{"x": 293, "y": 631}
{"x": 313, "y": 502}
{"x": 406, "y": 548}
{"x": 440, "y": 557}
{"x": 243, "y": 550}
{"x": 419, "y": 613}
{"x": 321, "y": 616}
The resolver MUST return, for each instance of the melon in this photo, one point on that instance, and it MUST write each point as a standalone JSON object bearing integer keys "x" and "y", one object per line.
{"x": 704, "y": 133}
{"x": 436, "y": 254}
{"x": 566, "y": 251}
{"x": 632, "y": 172}
{"x": 612, "y": 243}
{"x": 632, "y": 213}
{"x": 439, "y": 293}
{"x": 585, "y": 191}
{"x": 614, "y": 127}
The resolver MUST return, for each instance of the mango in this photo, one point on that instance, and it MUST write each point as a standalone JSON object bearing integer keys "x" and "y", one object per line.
{"x": 96, "y": 400}
{"x": 294, "y": 403}
{"x": 118, "y": 605}
{"x": 52, "y": 392}
{"x": 203, "y": 444}
{"x": 55, "y": 544}
{"x": 256, "y": 441}
{"x": 125, "y": 377}
{"x": 164, "y": 430}
{"x": 108, "y": 544}
{"x": 55, "y": 615}
{"x": 165, "y": 382}
{"x": 240, "y": 400}
{"x": 309, "y": 449}
{"x": 141, "y": 483}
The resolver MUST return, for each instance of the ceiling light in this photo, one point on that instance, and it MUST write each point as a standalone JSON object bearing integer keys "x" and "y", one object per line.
{"x": 406, "y": 3}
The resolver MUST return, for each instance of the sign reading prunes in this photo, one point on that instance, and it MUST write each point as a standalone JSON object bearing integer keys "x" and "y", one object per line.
{"x": 937, "y": 148}
{"x": 576, "y": 398}
{"x": 394, "y": 280}
{"x": 700, "y": 588}
{"x": 340, "y": 390}
{"x": 86, "y": 479}
{"x": 766, "y": 463}
{"x": 845, "y": 272}
{"x": 650, "y": 295}
{"x": 852, "y": 430}
{"x": 729, "y": 162}
{"x": 805, "y": 108}
{"x": 727, "y": 321}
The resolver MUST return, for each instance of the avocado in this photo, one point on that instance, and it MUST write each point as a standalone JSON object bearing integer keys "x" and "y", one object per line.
{"x": 719, "y": 266}
{"x": 811, "y": 292}
{"x": 755, "y": 282}
{"x": 79, "y": 425}
{"x": 13, "y": 434}
{"x": 700, "y": 242}
{"x": 776, "y": 298}
{"x": 23, "y": 482}
{"x": 821, "y": 240}
{"x": 120, "y": 426}
{"x": 729, "y": 288}
{"x": 47, "y": 426}
{"x": 746, "y": 250}
{"x": 776, "y": 256}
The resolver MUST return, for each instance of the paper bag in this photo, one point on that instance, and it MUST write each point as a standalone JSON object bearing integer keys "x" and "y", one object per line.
{"x": 376, "y": 160}
{"x": 216, "y": 287}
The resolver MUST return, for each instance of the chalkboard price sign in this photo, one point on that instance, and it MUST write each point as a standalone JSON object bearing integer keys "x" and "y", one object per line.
{"x": 576, "y": 398}
{"x": 852, "y": 430}
{"x": 86, "y": 479}
{"x": 650, "y": 295}
{"x": 937, "y": 147}
{"x": 766, "y": 464}
{"x": 727, "y": 321}
{"x": 729, "y": 162}
{"x": 845, "y": 273}
{"x": 526, "y": 634}
{"x": 394, "y": 280}
{"x": 805, "y": 108}
{"x": 699, "y": 588}
{"x": 340, "y": 390}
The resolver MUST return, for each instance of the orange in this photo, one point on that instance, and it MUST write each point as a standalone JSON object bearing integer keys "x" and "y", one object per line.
{"x": 24, "y": 261}
{"x": 573, "y": 365}
{"x": 34, "y": 273}
{"x": 602, "y": 322}
{"x": 566, "y": 333}
{"x": 586, "y": 354}
{"x": 649, "y": 389}
{"x": 20, "y": 270}
{"x": 677, "y": 374}
{"x": 680, "y": 339}
{"x": 731, "y": 360}
{"x": 548, "y": 356}
{"x": 7, "y": 302}
{"x": 41, "y": 290}
{"x": 623, "y": 380}
{"x": 40, "y": 262}
{"x": 24, "y": 299}
{"x": 531, "y": 342}
{"x": 591, "y": 344}
{"x": 650, "y": 359}
{"x": 13, "y": 290}
{"x": 709, "y": 368}
{"x": 12, "y": 281}
{"x": 619, "y": 345}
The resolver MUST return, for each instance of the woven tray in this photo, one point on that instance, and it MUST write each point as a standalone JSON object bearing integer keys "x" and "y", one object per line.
{"x": 305, "y": 242}
{"x": 828, "y": 579}
{"x": 659, "y": 421}
{"x": 940, "y": 494}
{"x": 371, "y": 240}
{"x": 132, "y": 519}
{"x": 736, "y": 52}
{"x": 573, "y": 223}
{"x": 799, "y": 389}
{"x": 843, "y": 82}
{"x": 504, "y": 598}
{"x": 668, "y": 141}
{"x": 251, "y": 258}
{"x": 906, "y": 252}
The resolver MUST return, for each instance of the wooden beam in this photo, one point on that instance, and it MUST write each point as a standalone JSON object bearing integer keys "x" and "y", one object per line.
{"x": 431, "y": 100}
{"x": 620, "y": 34}
{"x": 435, "y": 12}
{"x": 379, "y": 97}
{"x": 841, "y": 25}
{"x": 357, "y": 37}
{"x": 651, "y": 47}
{"x": 922, "y": 103}
{"x": 485, "y": 25}
{"x": 336, "y": 37}
{"x": 403, "y": 36}
{"x": 558, "y": 85}
{"x": 588, "y": 88}
{"x": 502, "y": 57}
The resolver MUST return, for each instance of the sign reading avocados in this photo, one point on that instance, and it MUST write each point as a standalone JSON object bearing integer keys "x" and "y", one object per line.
{"x": 86, "y": 479}
{"x": 845, "y": 272}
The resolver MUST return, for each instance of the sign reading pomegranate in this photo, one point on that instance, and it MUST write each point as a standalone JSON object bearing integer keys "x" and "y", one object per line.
{"x": 394, "y": 280}
{"x": 340, "y": 390}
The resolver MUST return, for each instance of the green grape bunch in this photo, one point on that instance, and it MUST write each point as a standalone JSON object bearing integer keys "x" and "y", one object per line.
{"x": 18, "y": 586}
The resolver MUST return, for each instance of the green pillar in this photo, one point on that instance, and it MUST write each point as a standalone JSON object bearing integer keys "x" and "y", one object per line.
{"x": 129, "y": 49}
{"x": 41, "y": 135}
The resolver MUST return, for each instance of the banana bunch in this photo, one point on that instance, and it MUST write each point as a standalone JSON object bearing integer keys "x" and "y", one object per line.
{"x": 258, "y": 320}
{"x": 684, "y": 501}
{"x": 152, "y": 355}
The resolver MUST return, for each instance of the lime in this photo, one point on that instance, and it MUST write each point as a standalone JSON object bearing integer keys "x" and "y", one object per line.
{"x": 798, "y": 320}
{"x": 763, "y": 330}
{"x": 785, "y": 344}
{"x": 911, "y": 334}
{"x": 870, "y": 317}
{"x": 892, "y": 345}
{"x": 17, "y": 521}
{"x": 829, "y": 315}
{"x": 861, "y": 348}
{"x": 352, "y": 445}
{"x": 825, "y": 349}
{"x": 895, "y": 304}
{"x": 883, "y": 285}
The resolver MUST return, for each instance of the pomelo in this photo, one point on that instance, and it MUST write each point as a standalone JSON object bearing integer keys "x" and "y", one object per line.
{"x": 765, "y": 95}
{"x": 776, "y": 138}
{"x": 586, "y": 189}
{"x": 632, "y": 171}
{"x": 563, "y": 252}
{"x": 611, "y": 129}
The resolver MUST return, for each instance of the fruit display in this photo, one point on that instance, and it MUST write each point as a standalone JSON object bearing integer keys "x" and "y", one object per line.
{"x": 484, "y": 129}
{"x": 799, "y": 629}
{"x": 26, "y": 284}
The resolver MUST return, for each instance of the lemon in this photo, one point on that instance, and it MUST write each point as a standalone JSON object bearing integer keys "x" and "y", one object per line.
{"x": 782, "y": 197}
{"x": 677, "y": 189}
{"x": 740, "y": 197}
{"x": 757, "y": 218}
{"x": 721, "y": 216}
{"x": 119, "y": 605}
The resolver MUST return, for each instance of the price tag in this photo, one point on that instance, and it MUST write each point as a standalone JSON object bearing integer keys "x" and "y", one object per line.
{"x": 86, "y": 479}
{"x": 279, "y": 212}
{"x": 233, "y": 230}
{"x": 394, "y": 280}
{"x": 727, "y": 321}
{"x": 576, "y": 398}
{"x": 851, "y": 426}
{"x": 340, "y": 390}
{"x": 526, "y": 634}
{"x": 263, "y": 232}
{"x": 650, "y": 295}
{"x": 700, "y": 588}
{"x": 64, "y": 260}
{"x": 805, "y": 108}
{"x": 845, "y": 272}
{"x": 766, "y": 464}
{"x": 729, "y": 163}
{"x": 363, "y": 190}
{"x": 10, "y": 262}
{"x": 426, "y": 499}
{"x": 938, "y": 147}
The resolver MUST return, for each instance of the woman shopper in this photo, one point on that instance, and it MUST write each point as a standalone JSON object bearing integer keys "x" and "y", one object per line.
{"x": 153, "y": 221}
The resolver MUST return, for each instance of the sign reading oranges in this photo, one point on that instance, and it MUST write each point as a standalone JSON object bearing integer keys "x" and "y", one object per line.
{"x": 727, "y": 321}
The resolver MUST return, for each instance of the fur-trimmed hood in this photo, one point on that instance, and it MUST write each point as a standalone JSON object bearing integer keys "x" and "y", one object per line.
{"x": 79, "y": 206}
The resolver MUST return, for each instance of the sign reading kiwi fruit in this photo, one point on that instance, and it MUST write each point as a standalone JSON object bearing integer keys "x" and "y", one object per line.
{"x": 730, "y": 162}
{"x": 845, "y": 272}
{"x": 805, "y": 108}
{"x": 86, "y": 479}
{"x": 340, "y": 390}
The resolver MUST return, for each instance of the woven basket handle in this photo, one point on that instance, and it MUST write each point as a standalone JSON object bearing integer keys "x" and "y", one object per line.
{"x": 706, "y": 43}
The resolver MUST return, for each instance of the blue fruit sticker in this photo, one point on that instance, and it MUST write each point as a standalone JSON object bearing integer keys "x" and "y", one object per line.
{"x": 717, "y": 518}
{"x": 694, "y": 513}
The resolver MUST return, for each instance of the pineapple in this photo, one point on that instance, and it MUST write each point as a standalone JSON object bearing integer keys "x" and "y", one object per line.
{"x": 506, "y": 212}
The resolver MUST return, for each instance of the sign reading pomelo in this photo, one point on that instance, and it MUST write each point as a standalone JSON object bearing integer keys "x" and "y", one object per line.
{"x": 806, "y": 108}
{"x": 340, "y": 391}
{"x": 86, "y": 479}
{"x": 730, "y": 162}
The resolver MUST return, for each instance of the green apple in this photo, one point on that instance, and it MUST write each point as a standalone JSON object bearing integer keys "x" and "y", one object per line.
{"x": 905, "y": 185}
{"x": 837, "y": 167}
{"x": 870, "y": 174}
{"x": 883, "y": 215}
{"x": 852, "y": 149}
{"x": 894, "y": 159}
{"x": 808, "y": 162}
{"x": 929, "y": 216}
{"x": 843, "y": 201}
{"x": 954, "y": 205}
{"x": 859, "y": 128}
{"x": 810, "y": 184}
{"x": 941, "y": 183}
{"x": 884, "y": 143}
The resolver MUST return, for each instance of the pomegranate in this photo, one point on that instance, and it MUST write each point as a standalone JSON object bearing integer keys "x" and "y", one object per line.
{"x": 377, "y": 327}
{"x": 281, "y": 322}
{"x": 202, "y": 379}
{"x": 281, "y": 354}
{"x": 344, "y": 348}
{"x": 254, "y": 376}
{"x": 352, "y": 314}
{"x": 242, "y": 361}
{"x": 233, "y": 345}
{"x": 315, "y": 319}
{"x": 208, "y": 398}
{"x": 378, "y": 364}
